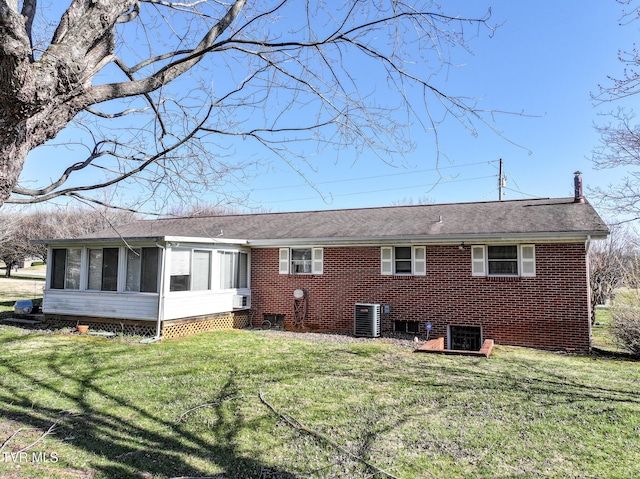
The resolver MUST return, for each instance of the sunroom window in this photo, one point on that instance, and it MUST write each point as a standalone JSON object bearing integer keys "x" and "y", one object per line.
{"x": 190, "y": 270}
{"x": 180, "y": 273}
{"x": 103, "y": 269}
{"x": 65, "y": 267}
{"x": 142, "y": 270}
{"x": 201, "y": 270}
{"x": 234, "y": 270}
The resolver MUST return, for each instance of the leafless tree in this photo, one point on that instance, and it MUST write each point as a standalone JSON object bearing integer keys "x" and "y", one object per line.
{"x": 10, "y": 252}
{"x": 619, "y": 145}
{"x": 609, "y": 261}
{"x": 164, "y": 94}
{"x": 620, "y": 148}
{"x": 205, "y": 209}
{"x": 21, "y": 227}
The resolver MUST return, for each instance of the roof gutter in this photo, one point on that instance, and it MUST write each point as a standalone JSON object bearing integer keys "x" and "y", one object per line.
{"x": 573, "y": 236}
{"x": 569, "y": 237}
{"x": 143, "y": 239}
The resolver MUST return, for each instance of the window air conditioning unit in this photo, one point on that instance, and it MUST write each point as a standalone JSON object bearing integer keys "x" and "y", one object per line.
{"x": 240, "y": 302}
{"x": 367, "y": 320}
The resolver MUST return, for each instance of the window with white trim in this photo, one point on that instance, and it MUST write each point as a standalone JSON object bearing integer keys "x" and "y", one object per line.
{"x": 103, "y": 269}
{"x": 234, "y": 269}
{"x": 503, "y": 260}
{"x": 180, "y": 271}
{"x": 201, "y": 270}
{"x": 403, "y": 260}
{"x": 142, "y": 270}
{"x": 65, "y": 269}
{"x": 301, "y": 260}
{"x": 190, "y": 270}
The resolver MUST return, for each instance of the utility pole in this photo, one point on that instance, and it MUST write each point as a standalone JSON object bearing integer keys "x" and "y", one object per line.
{"x": 502, "y": 181}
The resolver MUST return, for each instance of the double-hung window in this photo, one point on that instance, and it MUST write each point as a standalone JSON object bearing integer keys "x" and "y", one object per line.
{"x": 403, "y": 260}
{"x": 301, "y": 260}
{"x": 190, "y": 270}
{"x": 65, "y": 268}
{"x": 180, "y": 271}
{"x": 503, "y": 260}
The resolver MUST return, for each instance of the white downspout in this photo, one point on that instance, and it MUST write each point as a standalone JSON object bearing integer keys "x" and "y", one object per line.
{"x": 160, "y": 314}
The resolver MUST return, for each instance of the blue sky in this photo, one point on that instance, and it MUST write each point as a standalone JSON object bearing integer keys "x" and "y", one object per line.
{"x": 545, "y": 60}
{"x": 542, "y": 65}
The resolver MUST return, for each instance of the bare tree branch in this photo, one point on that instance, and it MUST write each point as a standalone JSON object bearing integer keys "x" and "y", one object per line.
{"x": 295, "y": 424}
{"x": 160, "y": 95}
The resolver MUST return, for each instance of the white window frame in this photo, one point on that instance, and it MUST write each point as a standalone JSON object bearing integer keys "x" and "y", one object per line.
{"x": 232, "y": 276}
{"x": 71, "y": 270}
{"x": 186, "y": 267}
{"x": 98, "y": 276}
{"x": 316, "y": 261}
{"x": 526, "y": 261}
{"x": 136, "y": 264}
{"x": 418, "y": 261}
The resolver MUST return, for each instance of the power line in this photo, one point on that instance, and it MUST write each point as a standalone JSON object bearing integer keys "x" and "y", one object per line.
{"x": 362, "y": 178}
{"x": 378, "y": 191}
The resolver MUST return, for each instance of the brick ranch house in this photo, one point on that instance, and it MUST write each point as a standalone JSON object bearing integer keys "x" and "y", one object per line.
{"x": 513, "y": 271}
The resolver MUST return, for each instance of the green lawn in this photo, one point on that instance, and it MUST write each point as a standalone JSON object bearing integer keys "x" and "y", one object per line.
{"x": 23, "y": 286}
{"x": 192, "y": 408}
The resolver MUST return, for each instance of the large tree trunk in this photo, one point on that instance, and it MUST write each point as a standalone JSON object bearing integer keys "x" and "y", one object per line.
{"x": 39, "y": 97}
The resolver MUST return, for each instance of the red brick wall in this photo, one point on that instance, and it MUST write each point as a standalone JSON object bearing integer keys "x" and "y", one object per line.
{"x": 550, "y": 311}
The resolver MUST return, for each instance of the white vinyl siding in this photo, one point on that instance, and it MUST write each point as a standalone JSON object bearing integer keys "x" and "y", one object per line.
{"x": 103, "y": 304}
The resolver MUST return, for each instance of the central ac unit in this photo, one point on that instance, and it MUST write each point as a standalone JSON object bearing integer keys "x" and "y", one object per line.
{"x": 367, "y": 320}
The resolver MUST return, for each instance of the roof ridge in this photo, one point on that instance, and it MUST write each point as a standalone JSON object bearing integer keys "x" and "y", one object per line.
{"x": 362, "y": 208}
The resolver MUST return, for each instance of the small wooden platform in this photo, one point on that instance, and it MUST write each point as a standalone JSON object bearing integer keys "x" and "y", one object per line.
{"x": 20, "y": 321}
{"x": 437, "y": 346}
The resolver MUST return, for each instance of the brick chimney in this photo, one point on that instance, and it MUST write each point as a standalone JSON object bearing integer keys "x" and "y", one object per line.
{"x": 578, "y": 197}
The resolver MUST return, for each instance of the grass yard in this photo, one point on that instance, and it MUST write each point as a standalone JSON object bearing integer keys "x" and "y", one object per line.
{"x": 253, "y": 404}
{"x": 600, "y": 335}
{"x": 27, "y": 285}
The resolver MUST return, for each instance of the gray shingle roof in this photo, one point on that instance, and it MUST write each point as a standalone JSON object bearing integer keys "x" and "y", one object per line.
{"x": 536, "y": 218}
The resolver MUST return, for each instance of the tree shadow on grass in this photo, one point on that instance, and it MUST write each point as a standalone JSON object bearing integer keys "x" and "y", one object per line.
{"x": 123, "y": 437}
{"x": 146, "y": 446}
